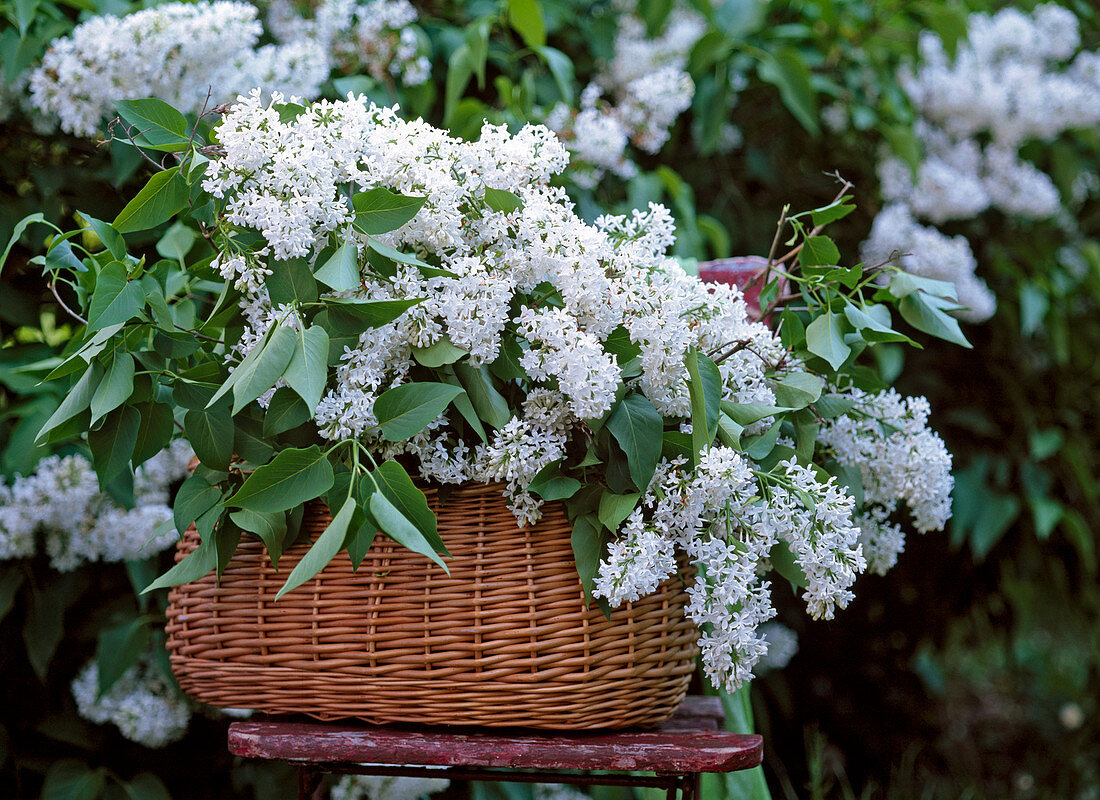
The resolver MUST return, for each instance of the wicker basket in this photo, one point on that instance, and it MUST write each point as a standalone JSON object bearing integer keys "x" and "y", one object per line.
{"x": 506, "y": 640}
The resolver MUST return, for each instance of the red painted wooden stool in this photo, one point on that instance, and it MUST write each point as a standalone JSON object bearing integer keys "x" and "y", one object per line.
{"x": 678, "y": 751}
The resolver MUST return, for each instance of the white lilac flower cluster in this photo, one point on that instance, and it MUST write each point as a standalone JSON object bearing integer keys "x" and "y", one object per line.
{"x": 1017, "y": 78}
{"x": 177, "y": 52}
{"x": 647, "y": 87}
{"x": 143, "y": 704}
{"x": 729, "y": 521}
{"x": 886, "y": 438}
{"x": 378, "y": 36}
{"x": 386, "y": 787}
{"x": 493, "y": 275}
{"x": 61, "y": 500}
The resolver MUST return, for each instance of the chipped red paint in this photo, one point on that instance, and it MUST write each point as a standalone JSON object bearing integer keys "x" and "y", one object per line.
{"x": 670, "y": 751}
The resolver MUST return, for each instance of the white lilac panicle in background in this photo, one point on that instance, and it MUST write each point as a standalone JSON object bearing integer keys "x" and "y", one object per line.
{"x": 635, "y": 99}
{"x": 378, "y": 36}
{"x": 281, "y": 177}
{"x": 177, "y": 52}
{"x": 921, "y": 249}
{"x": 557, "y": 791}
{"x": 1017, "y": 77}
{"x": 143, "y": 704}
{"x": 376, "y": 787}
{"x": 782, "y": 646}
{"x": 62, "y": 502}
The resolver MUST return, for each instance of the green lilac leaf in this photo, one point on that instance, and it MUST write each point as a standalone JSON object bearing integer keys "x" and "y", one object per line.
{"x": 525, "y": 17}
{"x": 381, "y": 211}
{"x": 561, "y": 70}
{"x": 112, "y": 444}
{"x": 588, "y": 541}
{"x": 745, "y": 414}
{"x": 291, "y": 282}
{"x": 157, "y": 125}
{"x": 407, "y": 497}
{"x": 464, "y": 406}
{"x": 615, "y": 508}
{"x": 501, "y": 200}
{"x": 873, "y": 330}
{"x": 393, "y": 254}
{"x": 198, "y": 563}
{"x": 176, "y": 242}
{"x": 395, "y": 525}
{"x": 210, "y": 432}
{"x": 73, "y": 780}
{"x": 832, "y": 212}
{"x": 729, "y": 431}
{"x": 146, "y": 786}
{"x": 759, "y": 447}
{"x": 341, "y": 271}
{"x": 363, "y": 315}
{"x": 261, "y": 374}
{"x": 637, "y": 427}
{"x": 194, "y": 498}
{"x": 825, "y": 338}
{"x": 270, "y": 526}
{"x": 77, "y": 399}
{"x": 438, "y": 354}
{"x": 491, "y": 406}
{"x": 115, "y": 299}
{"x": 119, "y": 648}
{"x": 108, "y": 235}
{"x": 705, "y": 388}
{"x": 43, "y": 626}
{"x": 307, "y": 371}
{"x": 786, "y": 69}
{"x": 784, "y": 563}
{"x": 11, "y": 579}
{"x": 361, "y": 533}
{"x": 285, "y": 411}
{"x": 17, "y": 233}
{"x": 155, "y": 431}
{"x": 798, "y": 390}
{"x": 926, "y": 313}
{"x": 115, "y": 388}
{"x": 293, "y": 477}
{"x": 819, "y": 251}
{"x": 249, "y": 441}
{"x": 550, "y": 484}
{"x": 406, "y": 410}
{"x": 164, "y": 196}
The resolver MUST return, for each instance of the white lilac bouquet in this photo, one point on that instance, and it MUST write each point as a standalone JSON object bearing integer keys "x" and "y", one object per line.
{"x": 344, "y": 298}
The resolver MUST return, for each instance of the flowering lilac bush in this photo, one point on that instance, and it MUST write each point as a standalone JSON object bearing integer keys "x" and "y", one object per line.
{"x": 1017, "y": 78}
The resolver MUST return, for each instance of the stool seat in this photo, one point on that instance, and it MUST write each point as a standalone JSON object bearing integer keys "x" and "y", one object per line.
{"x": 688, "y": 744}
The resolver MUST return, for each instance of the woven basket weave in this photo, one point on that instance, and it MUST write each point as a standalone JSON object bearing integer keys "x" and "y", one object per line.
{"x": 506, "y": 640}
